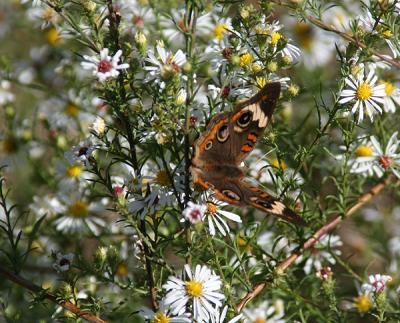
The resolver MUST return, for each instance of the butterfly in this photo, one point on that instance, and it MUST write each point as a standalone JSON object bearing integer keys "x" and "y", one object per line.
{"x": 227, "y": 140}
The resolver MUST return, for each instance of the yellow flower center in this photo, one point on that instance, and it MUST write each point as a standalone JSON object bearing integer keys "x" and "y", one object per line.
{"x": 387, "y": 33}
{"x": 79, "y": 209}
{"x": 261, "y": 31}
{"x": 53, "y": 36}
{"x": 162, "y": 178}
{"x": 364, "y": 91}
{"x": 194, "y": 288}
{"x": 259, "y": 320}
{"x": 74, "y": 171}
{"x": 278, "y": 164}
{"x": 389, "y": 88}
{"x": 243, "y": 244}
{"x": 275, "y": 37}
{"x": 362, "y": 303}
{"x": 261, "y": 81}
{"x": 211, "y": 208}
{"x": 220, "y": 30}
{"x": 305, "y": 34}
{"x": 122, "y": 269}
{"x": 160, "y": 318}
{"x": 71, "y": 110}
{"x": 245, "y": 59}
{"x": 364, "y": 151}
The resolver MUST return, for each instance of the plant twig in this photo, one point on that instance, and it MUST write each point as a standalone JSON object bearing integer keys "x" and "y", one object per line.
{"x": 42, "y": 292}
{"x": 315, "y": 21}
{"x": 326, "y": 228}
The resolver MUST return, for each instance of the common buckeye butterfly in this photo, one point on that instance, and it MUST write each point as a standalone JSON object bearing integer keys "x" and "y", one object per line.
{"x": 227, "y": 140}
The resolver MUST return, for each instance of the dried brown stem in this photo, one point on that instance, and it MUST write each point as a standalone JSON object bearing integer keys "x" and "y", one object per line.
{"x": 353, "y": 40}
{"x": 326, "y": 228}
{"x": 40, "y": 291}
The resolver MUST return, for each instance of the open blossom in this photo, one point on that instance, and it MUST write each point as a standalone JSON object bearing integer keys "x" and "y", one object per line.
{"x": 392, "y": 97}
{"x": 377, "y": 283}
{"x": 265, "y": 312}
{"x": 165, "y": 64}
{"x": 105, "y": 66}
{"x": 200, "y": 290}
{"x": 371, "y": 159}
{"x": 367, "y": 96}
{"x": 217, "y": 217}
{"x": 163, "y": 315}
{"x": 194, "y": 212}
{"x": 363, "y": 303}
{"x": 220, "y": 316}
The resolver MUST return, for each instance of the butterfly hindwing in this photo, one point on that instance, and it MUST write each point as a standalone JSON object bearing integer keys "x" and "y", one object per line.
{"x": 236, "y": 192}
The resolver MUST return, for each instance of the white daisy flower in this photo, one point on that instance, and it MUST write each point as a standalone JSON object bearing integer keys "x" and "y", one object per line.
{"x": 377, "y": 284}
{"x": 392, "y": 97}
{"x": 163, "y": 315}
{"x": 372, "y": 159}
{"x": 387, "y": 159}
{"x": 174, "y": 29}
{"x": 365, "y": 93}
{"x": 105, "y": 66}
{"x": 265, "y": 312}
{"x": 194, "y": 213}
{"x": 165, "y": 65}
{"x": 77, "y": 214}
{"x": 221, "y": 315}
{"x": 138, "y": 16}
{"x": 200, "y": 292}
{"x": 63, "y": 262}
{"x": 320, "y": 255}
{"x": 217, "y": 217}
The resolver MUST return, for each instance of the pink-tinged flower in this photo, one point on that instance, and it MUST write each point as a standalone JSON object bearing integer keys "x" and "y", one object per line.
{"x": 377, "y": 283}
{"x": 325, "y": 273}
{"x": 194, "y": 212}
{"x": 105, "y": 66}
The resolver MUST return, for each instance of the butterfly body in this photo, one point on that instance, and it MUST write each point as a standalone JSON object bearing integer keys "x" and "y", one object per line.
{"x": 227, "y": 140}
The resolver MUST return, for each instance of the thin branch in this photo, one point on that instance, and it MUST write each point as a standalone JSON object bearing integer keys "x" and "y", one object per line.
{"x": 281, "y": 267}
{"x": 315, "y": 21}
{"x": 353, "y": 40}
{"x": 43, "y": 293}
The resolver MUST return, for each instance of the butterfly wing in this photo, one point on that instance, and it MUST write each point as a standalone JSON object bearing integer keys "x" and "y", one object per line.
{"x": 249, "y": 120}
{"x": 236, "y": 192}
{"x": 230, "y": 136}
